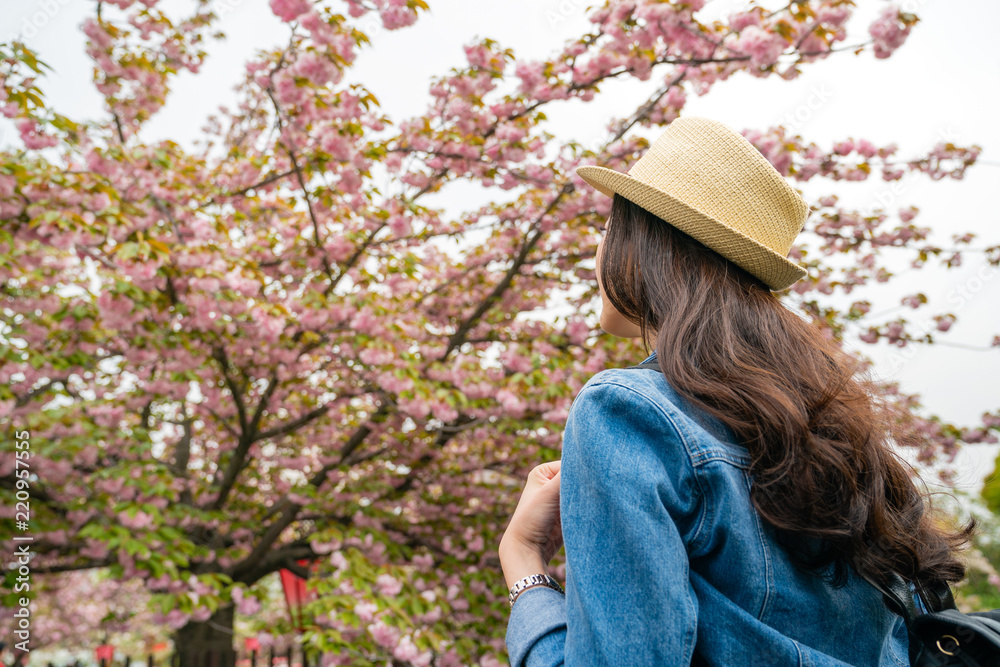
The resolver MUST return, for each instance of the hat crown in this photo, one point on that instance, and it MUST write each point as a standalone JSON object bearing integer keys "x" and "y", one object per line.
{"x": 718, "y": 172}
{"x": 708, "y": 181}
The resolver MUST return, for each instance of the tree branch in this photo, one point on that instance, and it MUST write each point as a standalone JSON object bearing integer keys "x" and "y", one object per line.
{"x": 534, "y": 236}
{"x": 21, "y": 401}
{"x": 317, "y": 237}
{"x": 219, "y": 354}
{"x": 288, "y": 427}
{"x": 288, "y": 511}
{"x": 270, "y": 179}
{"x": 239, "y": 457}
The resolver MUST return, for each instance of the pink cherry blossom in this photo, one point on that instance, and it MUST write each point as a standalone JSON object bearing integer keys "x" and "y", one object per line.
{"x": 870, "y": 336}
{"x": 762, "y": 46}
{"x": 396, "y": 14}
{"x": 844, "y": 147}
{"x": 408, "y": 652}
{"x": 739, "y": 22}
{"x": 944, "y": 322}
{"x": 384, "y": 635}
{"x": 288, "y": 10}
{"x": 388, "y": 585}
{"x": 366, "y": 611}
{"x": 888, "y": 32}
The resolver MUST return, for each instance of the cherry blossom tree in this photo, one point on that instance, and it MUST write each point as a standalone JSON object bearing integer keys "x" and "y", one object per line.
{"x": 237, "y": 356}
{"x": 86, "y": 608}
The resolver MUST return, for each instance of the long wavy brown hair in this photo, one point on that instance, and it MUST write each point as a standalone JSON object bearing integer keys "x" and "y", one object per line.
{"x": 825, "y": 474}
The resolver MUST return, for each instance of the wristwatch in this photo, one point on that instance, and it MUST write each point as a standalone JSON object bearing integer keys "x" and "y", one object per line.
{"x": 531, "y": 581}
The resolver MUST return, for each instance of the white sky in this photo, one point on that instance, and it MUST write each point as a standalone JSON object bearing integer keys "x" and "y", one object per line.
{"x": 942, "y": 83}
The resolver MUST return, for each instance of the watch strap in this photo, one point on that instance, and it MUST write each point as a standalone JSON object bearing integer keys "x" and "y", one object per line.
{"x": 531, "y": 581}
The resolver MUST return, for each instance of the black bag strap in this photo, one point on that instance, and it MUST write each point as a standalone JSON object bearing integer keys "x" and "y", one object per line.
{"x": 937, "y": 596}
{"x": 652, "y": 364}
{"x": 897, "y": 596}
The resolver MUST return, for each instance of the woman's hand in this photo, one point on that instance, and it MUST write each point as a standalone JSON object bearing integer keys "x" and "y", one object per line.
{"x": 534, "y": 533}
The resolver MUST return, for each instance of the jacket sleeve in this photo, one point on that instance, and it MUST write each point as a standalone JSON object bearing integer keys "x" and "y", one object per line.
{"x": 628, "y": 504}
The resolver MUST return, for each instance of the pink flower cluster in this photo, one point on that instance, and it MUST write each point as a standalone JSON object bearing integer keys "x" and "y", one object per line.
{"x": 762, "y": 46}
{"x": 396, "y": 14}
{"x": 288, "y": 10}
{"x": 946, "y": 160}
{"x": 136, "y": 87}
{"x": 792, "y": 156}
{"x": 888, "y": 32}
{"x": 32, "y": 135}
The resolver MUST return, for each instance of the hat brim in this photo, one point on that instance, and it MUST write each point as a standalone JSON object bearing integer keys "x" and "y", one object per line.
{"x": 776, "y": 271}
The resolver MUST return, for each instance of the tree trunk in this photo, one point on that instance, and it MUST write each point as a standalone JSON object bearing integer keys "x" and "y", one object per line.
{"x": 208, "y": 643}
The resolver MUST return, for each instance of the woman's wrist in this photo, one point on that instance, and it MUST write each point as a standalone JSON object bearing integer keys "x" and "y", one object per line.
{"x": 518, "y": 561}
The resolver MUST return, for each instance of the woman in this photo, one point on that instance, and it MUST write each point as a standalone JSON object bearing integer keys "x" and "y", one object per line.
{"x": 724, "y": 503}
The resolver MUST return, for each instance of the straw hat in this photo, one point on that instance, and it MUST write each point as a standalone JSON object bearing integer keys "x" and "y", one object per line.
{"x": 708, "y": 181}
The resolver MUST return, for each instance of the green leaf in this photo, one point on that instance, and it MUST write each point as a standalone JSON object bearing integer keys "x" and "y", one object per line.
{"x": 991, "y": 488}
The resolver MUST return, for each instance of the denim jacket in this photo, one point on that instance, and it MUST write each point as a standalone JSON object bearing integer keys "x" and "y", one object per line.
{"x": 667, "y": 562}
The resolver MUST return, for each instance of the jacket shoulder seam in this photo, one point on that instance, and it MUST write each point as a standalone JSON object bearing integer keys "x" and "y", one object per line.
{"x": 696, "y": 458}
{"x": 696, "y": 537}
